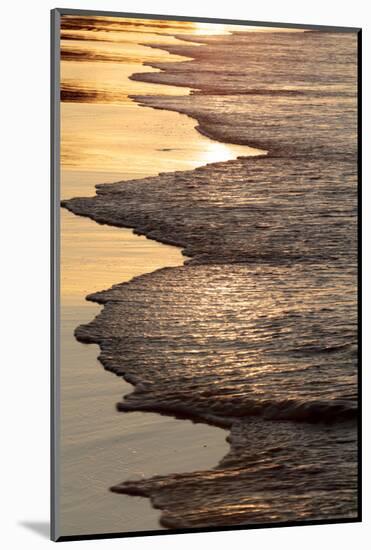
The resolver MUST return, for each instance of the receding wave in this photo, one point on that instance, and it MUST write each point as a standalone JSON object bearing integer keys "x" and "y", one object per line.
{"x": 292, "y": 410}
{"x": 270, "y": 475}
{"x": 238, "y": 357}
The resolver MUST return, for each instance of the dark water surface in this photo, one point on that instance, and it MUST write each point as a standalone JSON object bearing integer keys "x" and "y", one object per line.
{"x": 258, "y": 331}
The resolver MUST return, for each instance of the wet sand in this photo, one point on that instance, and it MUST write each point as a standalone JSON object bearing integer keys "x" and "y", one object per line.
{"x": 100, "y": 144}
{"x": 98, "y": 443}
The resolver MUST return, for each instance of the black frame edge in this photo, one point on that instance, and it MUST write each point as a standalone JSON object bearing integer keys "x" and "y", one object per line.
{"x": 55, "y": 267}
{"x": 167, "y": 532}
{"x": 359, "y": 267}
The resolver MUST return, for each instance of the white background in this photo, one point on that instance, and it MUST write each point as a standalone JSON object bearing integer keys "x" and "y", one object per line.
{"x": 24, "y": 218}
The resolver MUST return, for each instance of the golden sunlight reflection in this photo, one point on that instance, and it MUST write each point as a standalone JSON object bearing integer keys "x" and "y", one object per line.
{"x": 209, "y": 28}
{"x": 222, "y": 28}
{"x": 123, "y": 29}
{"x": 216, "y": 151}
{"x": 132, "y": 141}
{"x": 107, "y": 141}
{"x": 111, "y": 138}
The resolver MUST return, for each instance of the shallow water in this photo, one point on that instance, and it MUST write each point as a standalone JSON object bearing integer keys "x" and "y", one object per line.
{"x": 258, "y": 332}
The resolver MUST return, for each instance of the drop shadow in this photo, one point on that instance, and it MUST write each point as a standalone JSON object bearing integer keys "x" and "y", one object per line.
{"x": 42, "y": 528}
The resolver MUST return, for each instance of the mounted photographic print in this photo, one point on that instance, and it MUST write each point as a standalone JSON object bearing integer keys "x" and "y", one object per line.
{"x": 205, "y": 274}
